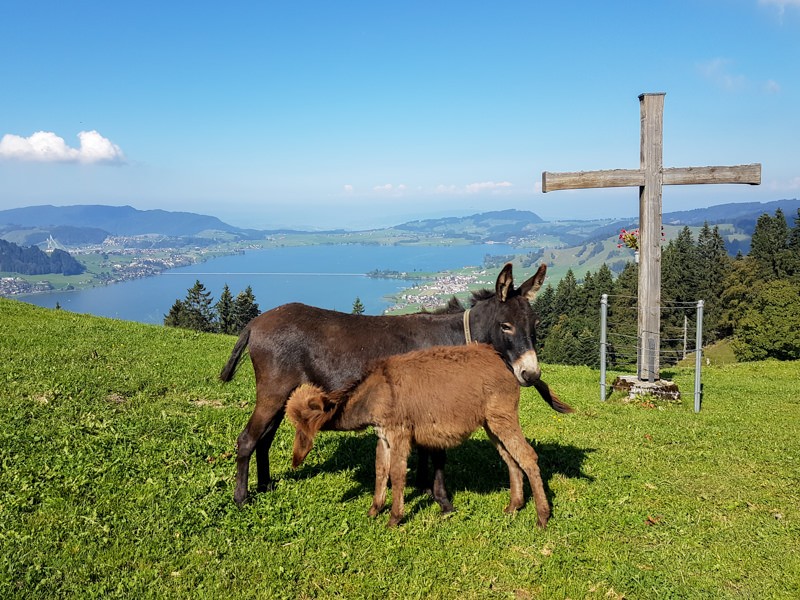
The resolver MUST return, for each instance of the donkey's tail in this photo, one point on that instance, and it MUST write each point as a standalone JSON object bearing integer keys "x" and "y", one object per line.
{"x": 230, "y": 367}
{"x": 550, "y": 397}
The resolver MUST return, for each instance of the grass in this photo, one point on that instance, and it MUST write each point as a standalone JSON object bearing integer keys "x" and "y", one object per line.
{"x": 117, "y": 473}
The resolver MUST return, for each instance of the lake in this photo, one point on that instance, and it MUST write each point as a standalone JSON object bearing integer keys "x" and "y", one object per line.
{"x": 326, "y": 276}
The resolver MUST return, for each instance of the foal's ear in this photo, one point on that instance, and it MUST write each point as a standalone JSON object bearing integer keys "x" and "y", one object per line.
{"x": 529, "y": 288}
{"x": 302, "y": 446}
{"x": 505, "y": 283}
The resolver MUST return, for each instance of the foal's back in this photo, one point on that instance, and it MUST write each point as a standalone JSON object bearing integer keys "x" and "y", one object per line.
{"x": 442, "y": 394}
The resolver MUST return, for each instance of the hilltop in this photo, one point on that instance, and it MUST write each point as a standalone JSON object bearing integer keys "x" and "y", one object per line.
{"x": 90, "y": 224}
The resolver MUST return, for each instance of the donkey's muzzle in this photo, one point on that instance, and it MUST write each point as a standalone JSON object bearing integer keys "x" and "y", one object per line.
{"x": 526, "y": 368}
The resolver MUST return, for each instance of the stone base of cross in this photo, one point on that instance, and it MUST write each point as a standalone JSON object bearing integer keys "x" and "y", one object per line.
{"x": 650, "y": 177}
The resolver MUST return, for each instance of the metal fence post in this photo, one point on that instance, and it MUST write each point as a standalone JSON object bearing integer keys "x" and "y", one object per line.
{"x": 603, "y": 322}
{"x": 698, "y": 354}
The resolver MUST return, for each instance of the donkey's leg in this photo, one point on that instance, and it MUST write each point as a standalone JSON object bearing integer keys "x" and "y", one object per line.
{"x": 257, "y": 434}
{"x": 423, "y": 482}
{"x": 509, "y": 432}
{"x": 439, "y": 458}
{"x": 399, "y": 448}
{"x": 381, "y": 475}
{"x": 265, "y": 481}
{"x": 516, "y": 491}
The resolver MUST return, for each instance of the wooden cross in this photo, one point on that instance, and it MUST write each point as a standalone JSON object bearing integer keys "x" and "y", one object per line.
{"x": 650, "y": 177}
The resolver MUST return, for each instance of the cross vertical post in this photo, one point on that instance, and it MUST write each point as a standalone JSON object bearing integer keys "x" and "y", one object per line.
{"x": 651, "y": 164}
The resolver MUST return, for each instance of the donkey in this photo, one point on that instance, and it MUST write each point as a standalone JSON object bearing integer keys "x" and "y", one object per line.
{"x": 435, "y": 398}
{"x": 294, "y": 344}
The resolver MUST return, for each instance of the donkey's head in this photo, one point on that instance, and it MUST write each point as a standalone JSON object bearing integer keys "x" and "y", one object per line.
{"x": 505, "y": 320}
{"x": 308, "y": 408}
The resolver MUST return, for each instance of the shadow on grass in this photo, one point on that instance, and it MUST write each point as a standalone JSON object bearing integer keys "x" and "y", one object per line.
{"x": 473, "y": 466}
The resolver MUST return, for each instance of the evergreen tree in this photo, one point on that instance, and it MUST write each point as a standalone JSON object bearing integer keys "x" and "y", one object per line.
{"x": 739, "y": 289}
{"x": 623, "y": 318}
{"x": 713, "y": 265}
{"x": 224, "y": 309}
{"x": 770, "y": 327}
{"x": 245, "y": 308}
{"x": 197, "y": 307}
{"x": 794, "y": 248}
{"x": 566, "y": 300}
{"x": 358, "y": 306}
{"x": 176, "y": 317}
{"x": 769, "y": 246}
{"x": 543, "y": 308}
{"x": 562, "y": 345}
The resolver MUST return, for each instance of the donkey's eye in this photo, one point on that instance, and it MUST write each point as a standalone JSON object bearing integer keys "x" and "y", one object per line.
{"x": 507, "y": 328}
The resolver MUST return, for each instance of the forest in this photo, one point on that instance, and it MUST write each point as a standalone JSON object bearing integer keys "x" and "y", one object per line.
{"x": 33, "y": 260}
{"x": 753, "y": 300}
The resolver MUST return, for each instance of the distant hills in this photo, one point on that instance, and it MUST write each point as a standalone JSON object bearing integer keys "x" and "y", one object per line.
{"x": 87, "y": 224}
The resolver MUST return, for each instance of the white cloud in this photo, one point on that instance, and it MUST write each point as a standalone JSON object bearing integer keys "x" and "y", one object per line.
{"x": 483, "y": 187}
{"x": 488, "y": 186}
{"x": 46, "y": 146}
{"x": 717, "y": 71}
{"x": 783, "y": 186}
{"x": 772, "y": 87}
{"x": 780, "y": 4}
{"x": 348, "y": 188}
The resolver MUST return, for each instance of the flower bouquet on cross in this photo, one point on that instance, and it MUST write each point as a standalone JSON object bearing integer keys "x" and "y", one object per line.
{"x": 629, "y": 239}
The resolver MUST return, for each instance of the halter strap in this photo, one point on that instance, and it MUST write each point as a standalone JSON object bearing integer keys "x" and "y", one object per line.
{"x": 467, "y": 335}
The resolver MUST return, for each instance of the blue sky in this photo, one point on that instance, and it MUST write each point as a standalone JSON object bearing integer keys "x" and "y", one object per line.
{"x": 361, "y": 114}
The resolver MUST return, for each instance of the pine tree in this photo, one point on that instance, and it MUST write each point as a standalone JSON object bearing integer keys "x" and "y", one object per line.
{"x": 245, "y": 309}
{"x": 769, "y": 246}
{"x": 713, "y": 265}
{"x": 197, "y": 307}
{"x": 358, "y": 306}
{"x": 224, "y": 309}
{"x": 623, "y": 318}
{"x": 566, "y": 300}
{"x": 794, "y": 248}
{"x": 543, "y": 308}
{"x": 176, "y": 317}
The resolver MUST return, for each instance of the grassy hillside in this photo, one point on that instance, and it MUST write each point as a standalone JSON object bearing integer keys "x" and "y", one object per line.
{"x": 117, "y": 467}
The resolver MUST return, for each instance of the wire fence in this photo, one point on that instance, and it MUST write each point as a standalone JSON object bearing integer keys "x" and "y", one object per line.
{"x": 680, "y": 335}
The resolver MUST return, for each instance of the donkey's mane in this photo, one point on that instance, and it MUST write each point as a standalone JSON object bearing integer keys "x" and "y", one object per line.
{"x": 455, "y": 306}
{"x": 479, "y": 295}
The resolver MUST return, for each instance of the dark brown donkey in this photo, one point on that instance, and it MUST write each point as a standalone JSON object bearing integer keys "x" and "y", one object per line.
{"x": 295, "y": 344}
{"x": 435, "y": 398}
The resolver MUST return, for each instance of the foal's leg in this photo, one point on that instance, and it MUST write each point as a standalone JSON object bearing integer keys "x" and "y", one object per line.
{"x": 381, "y": 475}
{"x": 516, "y": 491}
{"x": 399, "y": 448}
{"x": 439, "y": 458}
{"x": 510, "y": 434}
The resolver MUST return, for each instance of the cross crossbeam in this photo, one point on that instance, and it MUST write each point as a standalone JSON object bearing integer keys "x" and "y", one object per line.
{"x": 649, "y": 178}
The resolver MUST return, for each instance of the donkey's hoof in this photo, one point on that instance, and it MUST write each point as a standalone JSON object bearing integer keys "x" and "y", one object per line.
{"x": 447, "y": 508}
{"x": 393, "y": 522}
{"x": 240, "y": 497}
{"x": 373, "y": 511}
{"x": 511, "y": 509}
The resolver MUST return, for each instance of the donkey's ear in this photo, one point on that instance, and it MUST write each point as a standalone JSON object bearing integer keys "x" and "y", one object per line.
{"x": 529, "y": 288}
{"x": 505, "y": 283}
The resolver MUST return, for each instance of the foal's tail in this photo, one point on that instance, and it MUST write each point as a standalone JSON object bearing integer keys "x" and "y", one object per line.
{"x": 550, "y": 397}
{"x": 230, "y": 367}
{"x": 309, "y": 408}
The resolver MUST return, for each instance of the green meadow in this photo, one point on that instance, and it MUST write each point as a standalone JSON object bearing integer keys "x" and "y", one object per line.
{"x": 117, "y": 471}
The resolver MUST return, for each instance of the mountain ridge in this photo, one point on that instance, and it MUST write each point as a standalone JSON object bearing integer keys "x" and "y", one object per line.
{"x": 492, "y": 226}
